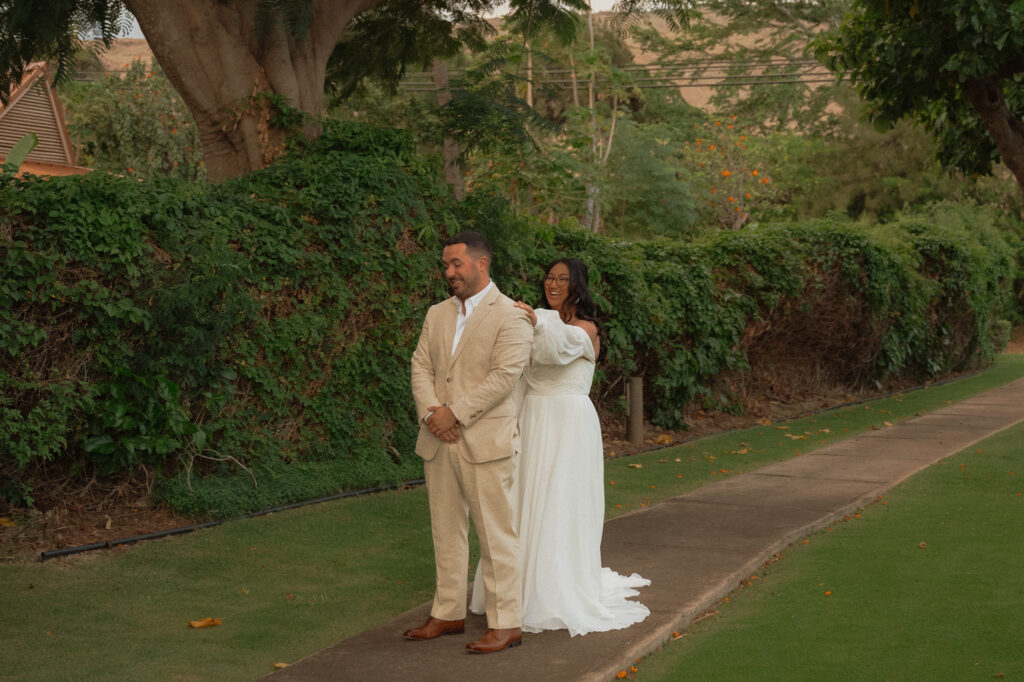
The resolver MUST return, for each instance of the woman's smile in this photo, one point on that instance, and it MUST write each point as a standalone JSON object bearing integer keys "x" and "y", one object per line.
{"x": 556, "y": 285}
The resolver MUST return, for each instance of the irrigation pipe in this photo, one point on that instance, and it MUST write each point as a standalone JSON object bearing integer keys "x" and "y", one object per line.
{"x": 67, "y": 551}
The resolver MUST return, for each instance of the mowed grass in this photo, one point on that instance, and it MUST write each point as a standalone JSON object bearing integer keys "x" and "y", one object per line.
{"x": 284, "y": 586}
{"x": 925, "y": 585}
{"x": 290, "y": 584}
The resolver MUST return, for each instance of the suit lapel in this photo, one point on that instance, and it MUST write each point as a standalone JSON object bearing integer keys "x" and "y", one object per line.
{"x": 451, "y": 318}
{"x": 474, "y": 322}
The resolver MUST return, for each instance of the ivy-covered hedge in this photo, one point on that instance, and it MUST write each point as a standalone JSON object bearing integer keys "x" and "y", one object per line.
{"x": 250, "y": 341}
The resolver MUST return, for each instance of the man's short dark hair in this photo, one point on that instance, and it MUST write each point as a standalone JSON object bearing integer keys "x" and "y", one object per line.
{"x": 476, "y": 244}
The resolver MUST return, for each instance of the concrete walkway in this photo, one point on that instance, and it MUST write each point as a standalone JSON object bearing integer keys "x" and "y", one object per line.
{"x": 695, "y": 548}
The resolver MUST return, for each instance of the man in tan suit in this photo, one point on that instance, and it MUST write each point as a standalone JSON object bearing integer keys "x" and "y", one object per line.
{"x": 470, "y": 355}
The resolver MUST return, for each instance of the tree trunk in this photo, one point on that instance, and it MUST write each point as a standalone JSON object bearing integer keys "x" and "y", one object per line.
{"x": 452, "y": 169}
{"x": 529, "y": 76}
{"x": 1006, "y": 129}
{"x": 593, "y": 215}
{"x": 225, "y": 63}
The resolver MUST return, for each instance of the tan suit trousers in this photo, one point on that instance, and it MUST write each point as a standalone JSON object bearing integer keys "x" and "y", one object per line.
{"x": 485, "y": 488}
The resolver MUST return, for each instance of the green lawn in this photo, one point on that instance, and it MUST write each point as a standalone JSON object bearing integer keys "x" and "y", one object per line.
{"x": 927, "y": 586}
{"x": 289, "y": 584}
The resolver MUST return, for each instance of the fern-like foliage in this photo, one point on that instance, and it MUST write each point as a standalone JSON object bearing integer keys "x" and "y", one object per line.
{"x": 31, "y": 30}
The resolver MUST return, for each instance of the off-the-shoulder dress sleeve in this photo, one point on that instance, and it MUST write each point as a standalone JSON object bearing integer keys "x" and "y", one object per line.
{"x": 557, "y": 343}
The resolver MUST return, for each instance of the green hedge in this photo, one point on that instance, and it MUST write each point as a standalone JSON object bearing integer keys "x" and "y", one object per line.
{"x": 260, "y": 330}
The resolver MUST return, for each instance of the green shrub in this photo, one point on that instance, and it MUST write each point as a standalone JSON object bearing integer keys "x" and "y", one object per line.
{"x": 250, "y": 341}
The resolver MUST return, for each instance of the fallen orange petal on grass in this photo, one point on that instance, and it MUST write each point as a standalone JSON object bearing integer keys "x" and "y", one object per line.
{"x": 828, "y": 593}
{"x": 621, "y": 675}
{"x": 207, "y": 622}
{"x": 279, "y": 666}
{"x": 634, "y": 669}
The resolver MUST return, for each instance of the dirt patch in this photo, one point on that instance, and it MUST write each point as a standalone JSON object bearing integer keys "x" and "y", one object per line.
{"x": 1016, "y": 341}
{"x": 69, "y": 514}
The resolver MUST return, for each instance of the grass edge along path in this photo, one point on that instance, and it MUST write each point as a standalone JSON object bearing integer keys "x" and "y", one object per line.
{"x": 924, "y": 584}
{"x": 287, "y": 585}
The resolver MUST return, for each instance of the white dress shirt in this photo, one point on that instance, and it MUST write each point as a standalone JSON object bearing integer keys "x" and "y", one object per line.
{"x": 469, "y": 304}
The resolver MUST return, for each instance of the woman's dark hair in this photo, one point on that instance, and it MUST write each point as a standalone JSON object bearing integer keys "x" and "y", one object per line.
{"x": 578, "y": 300}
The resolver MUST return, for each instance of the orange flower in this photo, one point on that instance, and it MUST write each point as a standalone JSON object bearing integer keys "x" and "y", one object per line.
{"x": 726, "y": 173}
{"x": 730, "y": 200}
{"x": 754, "y": 173}
{"x": 621, "y": 675}
{"x": 712, "y": 147}
{"x": 747, "y": 195}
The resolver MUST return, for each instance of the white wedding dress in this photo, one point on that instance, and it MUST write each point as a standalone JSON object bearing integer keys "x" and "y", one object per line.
{"x": 561, "y": 494}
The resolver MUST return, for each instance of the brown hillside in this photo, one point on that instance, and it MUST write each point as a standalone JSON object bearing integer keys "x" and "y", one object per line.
{"x": 123, "y": 52}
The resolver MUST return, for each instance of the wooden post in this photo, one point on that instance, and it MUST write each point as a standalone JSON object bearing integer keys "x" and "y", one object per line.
{"x": 635, "y": 397}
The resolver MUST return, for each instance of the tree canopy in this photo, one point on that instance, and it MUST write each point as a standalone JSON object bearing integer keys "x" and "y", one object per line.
{"x": 955, "y": 66}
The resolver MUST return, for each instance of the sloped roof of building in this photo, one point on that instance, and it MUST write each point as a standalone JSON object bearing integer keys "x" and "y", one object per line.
{"x": 33, "y": 108}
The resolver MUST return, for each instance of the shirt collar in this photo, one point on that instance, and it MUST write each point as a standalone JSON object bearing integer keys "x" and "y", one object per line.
{"x": 475, "y": 299}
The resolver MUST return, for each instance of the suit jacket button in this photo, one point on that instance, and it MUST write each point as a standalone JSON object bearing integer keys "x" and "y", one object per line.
{"x": 449, "y": 379}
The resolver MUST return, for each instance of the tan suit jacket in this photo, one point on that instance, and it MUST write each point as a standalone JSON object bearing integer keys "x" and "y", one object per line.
{"x": 477, "y": 381}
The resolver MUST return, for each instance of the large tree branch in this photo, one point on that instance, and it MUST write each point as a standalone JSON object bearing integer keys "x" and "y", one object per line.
{"x": 1006, "y": 129}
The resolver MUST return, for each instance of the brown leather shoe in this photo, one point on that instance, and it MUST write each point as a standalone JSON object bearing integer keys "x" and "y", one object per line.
{"x": 435, "y": 627}
{"x": 496, "y": 640}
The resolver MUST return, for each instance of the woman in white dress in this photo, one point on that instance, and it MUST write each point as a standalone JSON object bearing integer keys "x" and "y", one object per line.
{"x": 561, "y": 473}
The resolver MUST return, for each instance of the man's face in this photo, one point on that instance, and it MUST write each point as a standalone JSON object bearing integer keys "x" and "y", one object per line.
{"x": 466, "y": 275}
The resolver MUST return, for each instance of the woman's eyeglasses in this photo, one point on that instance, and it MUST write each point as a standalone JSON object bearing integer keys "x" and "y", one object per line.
{"x": 561, "y": 280}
